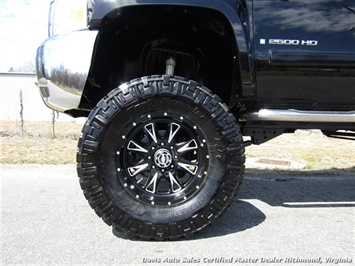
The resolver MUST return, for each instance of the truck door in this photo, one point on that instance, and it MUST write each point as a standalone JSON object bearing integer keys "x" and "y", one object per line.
{"x": 305, "y": 53}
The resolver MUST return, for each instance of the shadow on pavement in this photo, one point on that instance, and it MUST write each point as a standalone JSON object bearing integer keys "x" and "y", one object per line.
{"x": 289, "y": 189}
{"x": 239, "y": 217}
{"x": 296, "y": 189}
{"x": 328, "y": 188}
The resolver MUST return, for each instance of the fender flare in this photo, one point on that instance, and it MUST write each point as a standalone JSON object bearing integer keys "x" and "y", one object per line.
{"x": 101, "y": 8}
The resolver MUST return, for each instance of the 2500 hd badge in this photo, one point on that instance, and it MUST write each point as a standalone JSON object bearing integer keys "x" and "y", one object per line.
{"x": 289, "y": 42}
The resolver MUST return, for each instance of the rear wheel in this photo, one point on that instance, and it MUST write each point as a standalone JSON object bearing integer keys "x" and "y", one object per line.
{"x": 160, "y": 158}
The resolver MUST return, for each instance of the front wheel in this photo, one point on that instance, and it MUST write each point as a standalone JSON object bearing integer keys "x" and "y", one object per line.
{"x": 160, "y": 157}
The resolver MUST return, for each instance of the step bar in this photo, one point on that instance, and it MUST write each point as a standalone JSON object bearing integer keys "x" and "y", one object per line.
{"x": 292, "y": 115}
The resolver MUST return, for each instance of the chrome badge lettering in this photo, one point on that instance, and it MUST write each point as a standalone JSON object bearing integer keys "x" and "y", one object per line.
{"x": 289, "y": 42}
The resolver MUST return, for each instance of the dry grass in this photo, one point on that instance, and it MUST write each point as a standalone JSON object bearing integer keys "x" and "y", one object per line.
{"x": 311, "y": 148}
{"x": 38, "y": 146}
{"x": 28, "y": 150}
{"x": 41, "y": 129}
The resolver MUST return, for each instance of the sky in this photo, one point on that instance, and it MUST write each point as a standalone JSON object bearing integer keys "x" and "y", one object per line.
{"x": 23, "y": 27}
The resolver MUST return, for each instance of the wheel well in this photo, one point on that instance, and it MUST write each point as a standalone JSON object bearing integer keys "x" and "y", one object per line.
{"x": 135, "y": 41}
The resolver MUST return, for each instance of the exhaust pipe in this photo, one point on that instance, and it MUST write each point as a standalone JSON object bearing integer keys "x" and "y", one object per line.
{"x": 292, "y": 115}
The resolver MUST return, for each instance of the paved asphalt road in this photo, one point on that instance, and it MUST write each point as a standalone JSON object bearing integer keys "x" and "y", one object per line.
{"x": 277, "y": 217}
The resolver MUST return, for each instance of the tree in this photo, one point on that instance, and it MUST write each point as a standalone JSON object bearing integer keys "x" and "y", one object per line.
{"x": 27, "y": 67}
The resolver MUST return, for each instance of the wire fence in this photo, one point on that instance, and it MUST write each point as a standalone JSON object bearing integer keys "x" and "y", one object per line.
{"x": 40, "y": 129}
{"x": 24, "y": 114}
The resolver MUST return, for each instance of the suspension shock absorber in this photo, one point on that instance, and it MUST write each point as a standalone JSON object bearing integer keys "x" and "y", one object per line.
{"x": 170, "y": 66}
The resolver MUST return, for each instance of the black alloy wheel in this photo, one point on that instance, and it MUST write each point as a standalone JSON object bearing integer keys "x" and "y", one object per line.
{"x": 164, "y": 158}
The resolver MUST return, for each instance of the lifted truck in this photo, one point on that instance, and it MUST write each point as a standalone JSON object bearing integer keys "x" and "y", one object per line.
{"x": 171, "y": 87}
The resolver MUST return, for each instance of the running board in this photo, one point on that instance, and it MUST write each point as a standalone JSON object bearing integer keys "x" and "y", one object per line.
{"x": 292, "y": 115}
{"x": 340, "y": 134}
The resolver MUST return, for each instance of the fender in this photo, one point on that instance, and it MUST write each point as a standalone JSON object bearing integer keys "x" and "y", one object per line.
{"x": 101, "y": 8}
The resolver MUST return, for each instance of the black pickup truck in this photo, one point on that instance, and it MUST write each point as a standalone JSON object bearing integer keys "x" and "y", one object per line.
{"x": 174, "y": 90}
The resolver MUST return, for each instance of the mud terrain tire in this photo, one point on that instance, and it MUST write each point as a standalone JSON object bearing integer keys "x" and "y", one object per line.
{"x": 160, "y": 157}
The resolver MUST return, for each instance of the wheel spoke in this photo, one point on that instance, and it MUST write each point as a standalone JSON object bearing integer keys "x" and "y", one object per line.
{"x": 188, "y": 146}
{"x": 153, "y": 184}
{"x": 173, "y": 129}
{"x": 134, "y": 170}
{"x": 162, "y": 158}
{"x": 191, "y": 168}
{"x": 133, "y": 146}
{"x": 150, "y": 129}
{"x": 174, "y": 183}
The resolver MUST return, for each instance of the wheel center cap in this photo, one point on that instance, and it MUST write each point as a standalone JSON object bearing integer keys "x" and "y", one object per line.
{"x": 163, "y": 158}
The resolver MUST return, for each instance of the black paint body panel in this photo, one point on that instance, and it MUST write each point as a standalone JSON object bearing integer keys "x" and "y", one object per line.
{"x": 304, "y": 54}
{"x": 292, "y": 53}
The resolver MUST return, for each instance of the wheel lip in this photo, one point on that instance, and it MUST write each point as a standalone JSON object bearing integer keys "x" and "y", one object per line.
{"x": 191, "y": 187}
